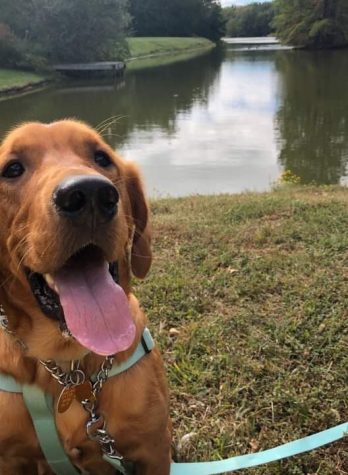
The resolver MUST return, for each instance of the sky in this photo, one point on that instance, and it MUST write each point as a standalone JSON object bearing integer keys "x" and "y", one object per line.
{"x": 226, "y": 3}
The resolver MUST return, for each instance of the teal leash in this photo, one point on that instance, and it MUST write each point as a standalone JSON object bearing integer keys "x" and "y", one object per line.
{"x": 290, "y": 449}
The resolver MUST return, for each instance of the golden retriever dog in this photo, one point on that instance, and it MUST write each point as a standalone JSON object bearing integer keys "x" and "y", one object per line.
{"x": 74, "y": 225}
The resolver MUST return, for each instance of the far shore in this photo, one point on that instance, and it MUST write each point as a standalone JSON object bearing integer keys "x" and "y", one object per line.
{"x": 143, "y": 54}
{"x": 13, "y": 82}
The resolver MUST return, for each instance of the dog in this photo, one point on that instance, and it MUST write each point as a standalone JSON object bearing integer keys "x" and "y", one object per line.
{"x": 74, "y": 226}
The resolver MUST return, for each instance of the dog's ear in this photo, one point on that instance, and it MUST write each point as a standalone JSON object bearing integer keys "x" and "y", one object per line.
{"x": 141, "y": 255}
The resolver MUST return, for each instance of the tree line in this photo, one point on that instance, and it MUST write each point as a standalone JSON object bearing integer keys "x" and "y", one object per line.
{"x": 312, "y": 23}
{"x": 178, "y": 18}
{"x": 255, "y": 19}
{"x": 38, "y": 32}
{"x": 301, "y": 23}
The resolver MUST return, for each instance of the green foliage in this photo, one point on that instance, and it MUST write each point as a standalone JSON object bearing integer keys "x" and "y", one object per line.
{"x": 312, "y": 23}
{"x": 68, "y": 31}
{"x": 95, "y": 30}
{"x": 10, "y": 52}
{"x": 287, "y": 177}
{"x": 178, "y": 18}
{"x": 249, "y": 20}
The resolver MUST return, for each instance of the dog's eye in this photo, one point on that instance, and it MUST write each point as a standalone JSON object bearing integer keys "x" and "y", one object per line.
{"x": 13, "y": 170}
{"x": 102, "y": 159}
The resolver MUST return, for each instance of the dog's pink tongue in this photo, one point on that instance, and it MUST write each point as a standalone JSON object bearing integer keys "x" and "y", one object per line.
{"x": 96, "y": 309}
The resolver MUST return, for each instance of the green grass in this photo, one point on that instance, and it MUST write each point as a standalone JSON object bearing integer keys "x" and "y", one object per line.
{"x": 163, "y": 59}
{"x": 12, "y": 79}
{"x": 143, "y": 46}
{"x": 256, "y": 286}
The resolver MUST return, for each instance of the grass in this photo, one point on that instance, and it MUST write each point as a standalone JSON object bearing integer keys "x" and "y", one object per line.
{"x": 12, "y": 79}
{"x": 140, "y": 47}
{"x": 248, "y": 300}
{"x": 162, "y": 60}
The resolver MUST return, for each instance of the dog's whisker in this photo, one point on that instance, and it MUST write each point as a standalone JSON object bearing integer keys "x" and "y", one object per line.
{"x": 109, "y": 123}
{"x": 107, "y": 120}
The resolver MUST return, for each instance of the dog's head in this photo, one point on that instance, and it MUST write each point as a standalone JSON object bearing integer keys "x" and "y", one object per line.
{"x": 73, "y": 221}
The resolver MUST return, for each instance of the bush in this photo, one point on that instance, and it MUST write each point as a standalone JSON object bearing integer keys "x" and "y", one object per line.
{"x": 10, "y": 51}
{"x": 312, "y": 23}
{"x": 327, "y": 32}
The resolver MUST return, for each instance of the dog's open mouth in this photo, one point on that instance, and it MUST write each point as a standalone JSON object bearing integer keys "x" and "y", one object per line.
{"x": 85, "y": 298}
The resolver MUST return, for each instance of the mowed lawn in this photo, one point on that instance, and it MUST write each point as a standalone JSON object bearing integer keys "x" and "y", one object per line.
{"x": 144, "y": 46}
{"x": 248, "y": 301}
{"x": 11, "y": 78}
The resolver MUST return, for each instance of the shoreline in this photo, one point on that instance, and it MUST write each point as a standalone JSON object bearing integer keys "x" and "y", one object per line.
{"x": 8, "y": 92}
{"x": 143, "y": 50}
{"x": 144, "y": 47}
{"x": 170, "y": 54}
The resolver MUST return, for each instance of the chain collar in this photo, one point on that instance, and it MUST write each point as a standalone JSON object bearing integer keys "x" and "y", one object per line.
{"x": 4, "y": 324}
{"x": 4, "y": 321}
{"x": 76, "y": 381}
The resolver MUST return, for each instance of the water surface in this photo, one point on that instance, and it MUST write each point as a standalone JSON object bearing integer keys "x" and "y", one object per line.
{"x": 222, "y": 122}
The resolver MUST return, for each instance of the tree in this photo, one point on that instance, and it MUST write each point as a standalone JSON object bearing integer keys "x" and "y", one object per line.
{"x": 10, "y": 52}
{"x": 249, "y": 20}
{"x": 177, "y": 18}
{"x": 312, "y": 23}
{"x": 68, "y": 30}
{"x": 83, "y": 30}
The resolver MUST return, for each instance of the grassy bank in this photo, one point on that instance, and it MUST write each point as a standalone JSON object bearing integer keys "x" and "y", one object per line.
{"x": 163, "y": 59}
{"x": 255, "y": 287}
{"x": 13, "y": 79}
{"x": 150, "y": 52}
{"x": 140, "y": 47}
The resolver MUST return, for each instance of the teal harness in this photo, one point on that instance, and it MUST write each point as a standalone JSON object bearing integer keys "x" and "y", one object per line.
{"x": 40, "y": 407}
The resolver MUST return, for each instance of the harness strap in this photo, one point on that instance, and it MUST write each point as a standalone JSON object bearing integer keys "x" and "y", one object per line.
{"x": 9, "y": 384}
{"x": 145, "y": 346}
{"x": 40, "y": 407}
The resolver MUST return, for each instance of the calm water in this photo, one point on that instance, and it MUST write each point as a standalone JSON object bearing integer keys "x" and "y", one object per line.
{"x": 223, "y": 122}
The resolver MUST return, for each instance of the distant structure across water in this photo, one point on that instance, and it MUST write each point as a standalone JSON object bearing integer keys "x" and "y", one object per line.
{"x": 245, "y": 44}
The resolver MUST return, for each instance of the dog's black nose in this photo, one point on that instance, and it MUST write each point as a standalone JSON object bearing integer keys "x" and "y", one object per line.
{"x": 83, "y": 196}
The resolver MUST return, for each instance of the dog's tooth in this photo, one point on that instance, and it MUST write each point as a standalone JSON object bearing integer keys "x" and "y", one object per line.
{"x": 49, "y": 279}
{"x": 50, "y": 282}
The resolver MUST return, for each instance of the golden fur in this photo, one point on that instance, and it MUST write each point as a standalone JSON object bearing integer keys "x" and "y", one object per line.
{"x": 32, "y": 236}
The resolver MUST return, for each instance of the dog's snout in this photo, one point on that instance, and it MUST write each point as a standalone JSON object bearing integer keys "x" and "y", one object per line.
{"x": 80, "y": 196}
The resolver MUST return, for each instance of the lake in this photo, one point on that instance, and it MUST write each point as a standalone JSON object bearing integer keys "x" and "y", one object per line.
{"x": 223, "y": 122}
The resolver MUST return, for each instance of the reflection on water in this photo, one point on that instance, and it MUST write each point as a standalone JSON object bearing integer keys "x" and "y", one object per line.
{"x": 222, "y": 122}
{"x": 313, "y": 115}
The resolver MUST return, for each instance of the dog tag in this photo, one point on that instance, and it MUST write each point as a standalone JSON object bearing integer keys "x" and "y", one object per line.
{"x": 84, "y": 392}
{"x": 66, "y": 398}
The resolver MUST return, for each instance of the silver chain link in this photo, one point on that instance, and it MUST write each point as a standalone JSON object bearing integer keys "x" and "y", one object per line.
{"x": 73, "y": 378}
{"x": 96, "y": 424}
{"x": 4, "y": 321}
{"x": 4, "y": 324}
